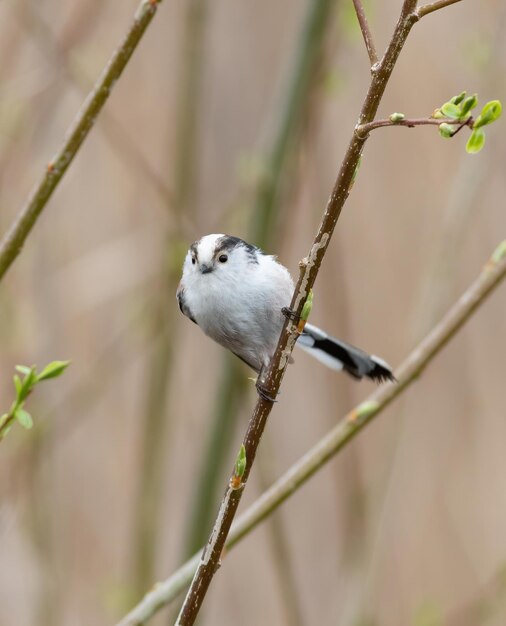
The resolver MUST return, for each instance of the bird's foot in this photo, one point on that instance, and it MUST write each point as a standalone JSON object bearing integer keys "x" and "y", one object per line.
{"x": 263, "y": 392}
{"x": 290, "y": 314}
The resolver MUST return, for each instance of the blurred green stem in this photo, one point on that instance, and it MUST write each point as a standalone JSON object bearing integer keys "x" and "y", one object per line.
{"x": 264, "y": 214}
{"x": 154, "y": 426}
{"x": 149, "y": 501}
{"x": 188, "y": 105}
{"x": 290, "y": 122}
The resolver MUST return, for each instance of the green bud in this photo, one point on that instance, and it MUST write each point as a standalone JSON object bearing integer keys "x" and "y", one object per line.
{"x": 446, "y": 130}
{"x": 397, "y": 117}
{"x": 367, "y": 408}
{"x": 27, "y": 384}
{"x": 308, "y": 305}
{"x": 240, "y": 462}
{"x": 458, "y": 99}
{"x": 437, "y": 115}
{"x": 451, "y": 110}
{"x": 490, "y": 113}
{"x": 499, "y": 252}
{"x": 476, "y": 141}
{"x": 469, "y": 104}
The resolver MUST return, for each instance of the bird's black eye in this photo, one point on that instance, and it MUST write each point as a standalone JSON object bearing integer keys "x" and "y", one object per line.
{"x": 193, "y": 260}
{"x": 223, "y": 258}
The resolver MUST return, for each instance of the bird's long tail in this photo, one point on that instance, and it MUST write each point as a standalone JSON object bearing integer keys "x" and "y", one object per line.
{"x": 339, "y": 355}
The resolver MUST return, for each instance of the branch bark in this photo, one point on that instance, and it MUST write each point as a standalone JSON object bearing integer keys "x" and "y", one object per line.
{"x": 14, "y": 239}
{"x": 351, "y": 425}
{"x": 364, "y": 129}
{"x": 309, "y": 268}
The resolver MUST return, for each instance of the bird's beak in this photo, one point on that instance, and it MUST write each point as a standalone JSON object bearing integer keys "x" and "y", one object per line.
{"x": 205, "y": 269}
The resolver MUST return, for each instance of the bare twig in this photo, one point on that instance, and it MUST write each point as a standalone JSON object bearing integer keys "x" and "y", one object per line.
{"x": 14, "y": 239}
{"x": 114, "y": 132}
{"x": 364, "y": 129}
{"x": 270, "y": 381}
{"x": 489, "y": 279}
{"x": 434, "y": 6}
{"x": 366, "y": 32}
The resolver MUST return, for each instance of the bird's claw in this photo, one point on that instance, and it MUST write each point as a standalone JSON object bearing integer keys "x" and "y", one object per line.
{"x": 263, "y": 392}
{"x": 290, "y": 314}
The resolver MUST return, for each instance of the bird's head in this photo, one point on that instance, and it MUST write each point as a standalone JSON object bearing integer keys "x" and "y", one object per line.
{"x": 219, "y": 255}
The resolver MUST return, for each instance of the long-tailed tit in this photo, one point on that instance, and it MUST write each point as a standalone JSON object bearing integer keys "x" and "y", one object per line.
{"x": 236, "y": 294}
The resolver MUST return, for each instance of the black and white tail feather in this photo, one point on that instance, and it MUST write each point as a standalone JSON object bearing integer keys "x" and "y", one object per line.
{"x": 339, "y": 355}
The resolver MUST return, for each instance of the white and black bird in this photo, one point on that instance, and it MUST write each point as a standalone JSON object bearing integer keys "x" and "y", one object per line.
{"x": 236, "y": 293}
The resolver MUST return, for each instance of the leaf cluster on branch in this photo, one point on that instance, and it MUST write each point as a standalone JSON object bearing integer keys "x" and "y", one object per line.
{"x": 24, "y": 388}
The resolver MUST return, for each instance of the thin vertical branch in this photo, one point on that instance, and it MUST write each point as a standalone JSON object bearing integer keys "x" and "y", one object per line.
{"x": 489, "y": 279}
{"x": 14, "y": 239}
{"x": 293, "y": 108}
{"x": 152, "y": 449}
{"x": 366, "y": 32}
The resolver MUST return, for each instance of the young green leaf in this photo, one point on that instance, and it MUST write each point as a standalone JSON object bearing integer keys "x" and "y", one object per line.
{"x": 451, "y": 110}
{"x": 490, "y": 113}
{"x": 469, "y": 104}
{"x": 52, "y": 370}
{"x": 476, "y": 141}
{"x": 24, "y": 418}
{"x": 458, "y": 99}
{"x": 23, "y": 369}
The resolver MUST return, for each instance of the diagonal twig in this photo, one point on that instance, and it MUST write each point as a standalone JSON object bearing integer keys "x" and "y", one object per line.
{"x": 423, "y": 354}
{"x": 11, "y": 244}
{"x": 366, "y": 32}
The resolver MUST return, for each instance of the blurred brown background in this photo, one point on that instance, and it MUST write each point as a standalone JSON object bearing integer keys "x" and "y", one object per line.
{"x": 406, "y": 526}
